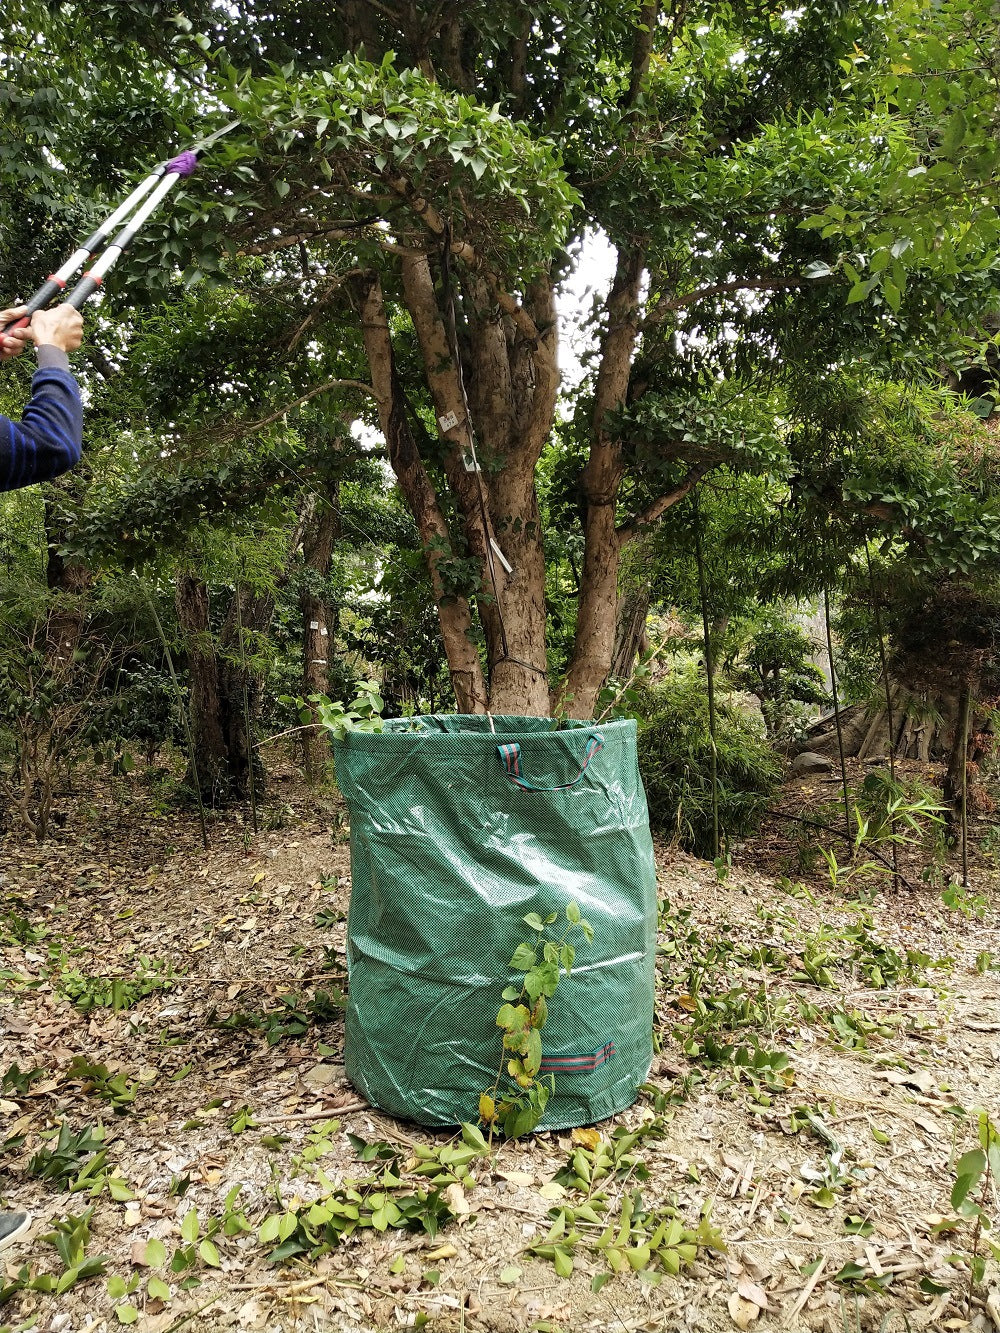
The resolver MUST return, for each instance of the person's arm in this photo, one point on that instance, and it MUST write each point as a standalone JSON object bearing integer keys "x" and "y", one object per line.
{"x": 48, "y": 439}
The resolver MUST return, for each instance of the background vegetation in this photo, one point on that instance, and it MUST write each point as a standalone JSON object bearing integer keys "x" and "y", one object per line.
{"x": 787, "y": 401}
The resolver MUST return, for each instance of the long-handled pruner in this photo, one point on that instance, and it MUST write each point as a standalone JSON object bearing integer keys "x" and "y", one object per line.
{"x": 156, "y": 186}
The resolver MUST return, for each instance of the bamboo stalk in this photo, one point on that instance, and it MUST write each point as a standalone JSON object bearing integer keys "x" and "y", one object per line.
{"x": 184, "y": 716}
{"x": 890, "y": 727}
{"x": 836, "y": 715}
{"x": 966, "y": 706}
{"x": 710, "y": 674}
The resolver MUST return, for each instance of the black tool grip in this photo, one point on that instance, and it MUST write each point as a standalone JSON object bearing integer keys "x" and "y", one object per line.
{"x": 49, "y": 288}
{"x": 83, "y": 291}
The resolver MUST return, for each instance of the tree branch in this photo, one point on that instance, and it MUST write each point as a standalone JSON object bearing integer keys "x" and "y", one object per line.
{"x": 665, "y": 305}
{"x": 240, "y": 428}
{"x": 642, "y": 49}
{"x": 627, "y": 531}
{"x": 467, "y": 253}
{"x": 340, "y": 231}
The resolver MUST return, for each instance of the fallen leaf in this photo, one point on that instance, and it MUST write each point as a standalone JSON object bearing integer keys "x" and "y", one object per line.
{"x": 552, "y": 1190}
{"x": 517, "y": 1177}
{"x": 743, "y": 1313}
{"x": 443, "y": 1252}
{"x": 454, "y": 1197}
{"x": 587, "y": 1138}
{"x": 751, "y": 1292}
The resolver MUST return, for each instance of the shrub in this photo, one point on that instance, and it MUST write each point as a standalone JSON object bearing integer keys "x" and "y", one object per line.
{"x": 675, "y": 760}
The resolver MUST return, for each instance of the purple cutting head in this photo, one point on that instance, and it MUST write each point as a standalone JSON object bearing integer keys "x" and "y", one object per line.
{"x": 183, "y": 164}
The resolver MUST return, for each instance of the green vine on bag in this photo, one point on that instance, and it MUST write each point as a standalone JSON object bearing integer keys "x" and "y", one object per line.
{"x": 518, "y": 1108}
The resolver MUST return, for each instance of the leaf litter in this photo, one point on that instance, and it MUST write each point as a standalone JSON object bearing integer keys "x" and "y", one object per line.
{"x": 175, "y": 1016}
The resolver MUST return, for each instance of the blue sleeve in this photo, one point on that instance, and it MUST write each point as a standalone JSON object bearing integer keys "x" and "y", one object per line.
{"x": 47, "y": 441}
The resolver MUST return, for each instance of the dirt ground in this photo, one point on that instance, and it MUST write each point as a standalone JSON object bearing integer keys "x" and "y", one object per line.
{"x": 829, "y": 1178}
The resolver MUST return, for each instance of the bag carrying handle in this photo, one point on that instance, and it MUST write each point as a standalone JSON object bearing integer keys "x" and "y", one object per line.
{"x": 510, "y": 758}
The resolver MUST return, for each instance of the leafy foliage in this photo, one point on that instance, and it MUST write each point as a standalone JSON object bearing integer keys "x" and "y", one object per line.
{"x": 675, "y": 762}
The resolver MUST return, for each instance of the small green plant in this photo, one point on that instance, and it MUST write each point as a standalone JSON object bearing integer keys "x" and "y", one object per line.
{"x": 18, "y": 1080}
{"x": 958, "y": 898}
{"x": 116, "y": 993}
{"x": 616, "y": 1227}
{"x": 385, "y": 1200}
{"x": 70, "y": 1236}
{"x": 516, "y": 1102}
{"x": 96, "y": 1078}
{"x": 903, "y": 819}
{"x": 363, "y": 713}
{"x": 17, "y": 929}
{"x": 975, "y": 1173}
{"x": 61, "y": 1162}
{"x": 294, "y": 1016}
{"x": 242, "y": 1121}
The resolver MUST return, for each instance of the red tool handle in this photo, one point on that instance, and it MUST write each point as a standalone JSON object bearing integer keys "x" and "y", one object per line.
{"x": 49, "y": 288}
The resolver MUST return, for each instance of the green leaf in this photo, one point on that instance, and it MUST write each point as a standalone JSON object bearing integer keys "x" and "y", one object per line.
{"x": 534, "y": 921}
{"x": 967, "y": 1172}
{"x": 563, "y": 1260}
{"x": 126, "y": 1314}
{"x": 209, "y": 1254}
{"x": 157, "y": 1289}
{"x": 189, "y": 1226}
{"x": 954, "y": 135}
{"x": 474, "y": 1138}
{"x": 117, "y": 1287}
{"x": 573, "y": 913}
{"x": 524, "y": 957}
{"x": 156, "y": 1253}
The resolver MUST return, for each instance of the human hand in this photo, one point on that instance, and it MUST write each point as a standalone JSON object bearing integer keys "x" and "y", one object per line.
{"x": 59, "y": 327}
{"x": 14, "y": 341}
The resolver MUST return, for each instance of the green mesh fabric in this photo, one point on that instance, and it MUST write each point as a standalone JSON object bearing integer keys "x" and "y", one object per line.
{"x": 448, "y": 854}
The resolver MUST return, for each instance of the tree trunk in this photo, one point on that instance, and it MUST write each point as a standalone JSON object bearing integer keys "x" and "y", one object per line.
{"x": 454, "y": 613}
{"x": 68, "y": 578}
{"x": 596, "y": 617}
{"x": 955, "y": 778}
{"x": 208, "y": 767}
{"x": 317, "y": 636}
{"x": 631, "y": 635}
{"x": 249, "y": 614}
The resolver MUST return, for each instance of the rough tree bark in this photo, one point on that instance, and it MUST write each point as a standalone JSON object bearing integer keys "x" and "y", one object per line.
{"x": 454, "y": 612}
{"x": 596, "y": 617}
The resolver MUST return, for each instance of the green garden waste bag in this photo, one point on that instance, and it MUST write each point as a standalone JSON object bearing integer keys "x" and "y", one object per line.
{"x": 457, "y": 833}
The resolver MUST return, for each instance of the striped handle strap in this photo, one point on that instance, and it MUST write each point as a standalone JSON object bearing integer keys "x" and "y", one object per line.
{"x": 510, "y": 758}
